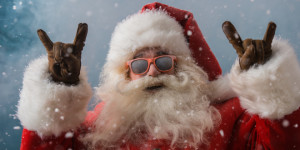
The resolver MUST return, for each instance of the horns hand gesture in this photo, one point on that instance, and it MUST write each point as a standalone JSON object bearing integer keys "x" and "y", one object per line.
{"x": 250, "y": 52}
{"x": 65, "y": 59}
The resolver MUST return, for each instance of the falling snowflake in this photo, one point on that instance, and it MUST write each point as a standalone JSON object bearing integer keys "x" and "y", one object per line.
{"x": 285, "y": 123}
{"x": 116, "y": 5}
{"x": 222, "y": 133}
{"x": 189, "y": 33}
{"x": 17, "y": 127}
{"x": 296, "y": 125}
{"x": 186, "y": 16}
{"x": 236, "y": 35}
{"x": 69, "y": 135}
{"x": 156, "y": 129}
{"x": 56, "y": 110}
{"x": 89, "y": 13}
{"x": 69, "y": 50}
{"x": 14, "y": 7}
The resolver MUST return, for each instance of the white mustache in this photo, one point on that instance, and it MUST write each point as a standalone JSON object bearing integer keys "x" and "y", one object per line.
{"x": 176, "y": 82}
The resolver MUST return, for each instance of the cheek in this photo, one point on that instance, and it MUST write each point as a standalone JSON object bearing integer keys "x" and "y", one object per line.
{"x": 134, "y": 76}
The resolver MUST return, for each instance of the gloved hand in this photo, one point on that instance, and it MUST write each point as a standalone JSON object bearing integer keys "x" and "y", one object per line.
{"x": 250, "y": 52}
{"x": 64, "y": 59}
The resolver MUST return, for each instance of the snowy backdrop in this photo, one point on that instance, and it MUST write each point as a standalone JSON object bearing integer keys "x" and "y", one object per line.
{"x": 19, "y": 43}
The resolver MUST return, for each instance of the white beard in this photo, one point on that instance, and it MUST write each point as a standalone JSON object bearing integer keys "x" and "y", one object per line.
{"x": 180, "y": 112}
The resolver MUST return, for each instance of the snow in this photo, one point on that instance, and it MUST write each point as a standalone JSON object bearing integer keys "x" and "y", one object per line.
{"x": 89, "y": 13}
{"x": 268, "y": 12}
{"x": 56, "y": 110}
{"x": 62, "y": 117}
{"x": 200, "y": 48}
{"x": 285, "y": 123}
{"x": 14, "y": 7}
{"x": 17, "y": 127}
{"x": 69, "y": 50}
{"x": 67, "y": 55}
{"x": 186, "y": 16}
{"x": 156, "y": 129}
{"x": 236, "y": 35}
{"x": 189, "y": 32}
{"x": 296, "y": 125}
{"x": 221, "y": 133}
{"x": 116, "y": 5}
{"x": 69, "y": 135}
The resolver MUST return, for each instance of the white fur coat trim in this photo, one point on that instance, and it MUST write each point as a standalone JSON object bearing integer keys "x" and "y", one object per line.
{"x": 50, "y": 108}
{"x": 271, "y": 90}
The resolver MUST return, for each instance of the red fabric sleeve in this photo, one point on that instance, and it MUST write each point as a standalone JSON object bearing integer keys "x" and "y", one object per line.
{"x": 32, "y": 141}
{"x": 253, "y": 132}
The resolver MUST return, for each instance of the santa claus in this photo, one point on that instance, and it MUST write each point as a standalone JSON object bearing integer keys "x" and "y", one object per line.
{"x": 161, "y": 88}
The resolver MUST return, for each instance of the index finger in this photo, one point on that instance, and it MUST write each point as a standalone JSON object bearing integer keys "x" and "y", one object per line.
{"x": 48, "y": 44}
{"x": 80, "y": 36}
{"x": 233, "y": 37}
{"x": 269, "y": 35}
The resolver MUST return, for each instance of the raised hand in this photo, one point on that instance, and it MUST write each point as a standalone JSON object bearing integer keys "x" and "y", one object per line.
{"x": 250, "y": 52}
{"x": 65, "y": 59}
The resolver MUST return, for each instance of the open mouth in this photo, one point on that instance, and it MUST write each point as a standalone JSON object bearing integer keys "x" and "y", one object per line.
{"x": 154, "y": 87}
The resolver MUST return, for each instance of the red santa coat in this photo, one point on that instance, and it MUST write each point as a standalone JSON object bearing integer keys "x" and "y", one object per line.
{"x": 238, "y": 130}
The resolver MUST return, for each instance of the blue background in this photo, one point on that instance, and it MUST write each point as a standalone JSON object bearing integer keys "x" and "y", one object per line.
{"x": 19, "y": 43}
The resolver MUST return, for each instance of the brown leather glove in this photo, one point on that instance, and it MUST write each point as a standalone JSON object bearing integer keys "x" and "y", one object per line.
{"x": 250, "y": 52}
{"x": 65, "y": 59}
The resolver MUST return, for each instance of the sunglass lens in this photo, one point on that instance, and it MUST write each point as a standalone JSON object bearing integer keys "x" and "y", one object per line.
{"x": 139, "y": 66}
{"x": 164, "y": 63}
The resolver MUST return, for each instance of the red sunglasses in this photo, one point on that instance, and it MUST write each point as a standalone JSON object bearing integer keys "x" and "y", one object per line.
{"x": 141, "y": 66}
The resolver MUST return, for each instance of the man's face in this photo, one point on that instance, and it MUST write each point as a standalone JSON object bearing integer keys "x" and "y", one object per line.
{"x": 152, "y": 71}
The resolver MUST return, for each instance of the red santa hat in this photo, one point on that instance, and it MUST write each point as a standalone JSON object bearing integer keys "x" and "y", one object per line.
{"x": 159, "y": 25}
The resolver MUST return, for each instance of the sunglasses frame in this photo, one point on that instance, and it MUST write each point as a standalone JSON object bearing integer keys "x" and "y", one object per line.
{"x": 152, "y": 60}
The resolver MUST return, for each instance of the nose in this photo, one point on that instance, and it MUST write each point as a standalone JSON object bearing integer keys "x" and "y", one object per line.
{"x": 153, "y": 71}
